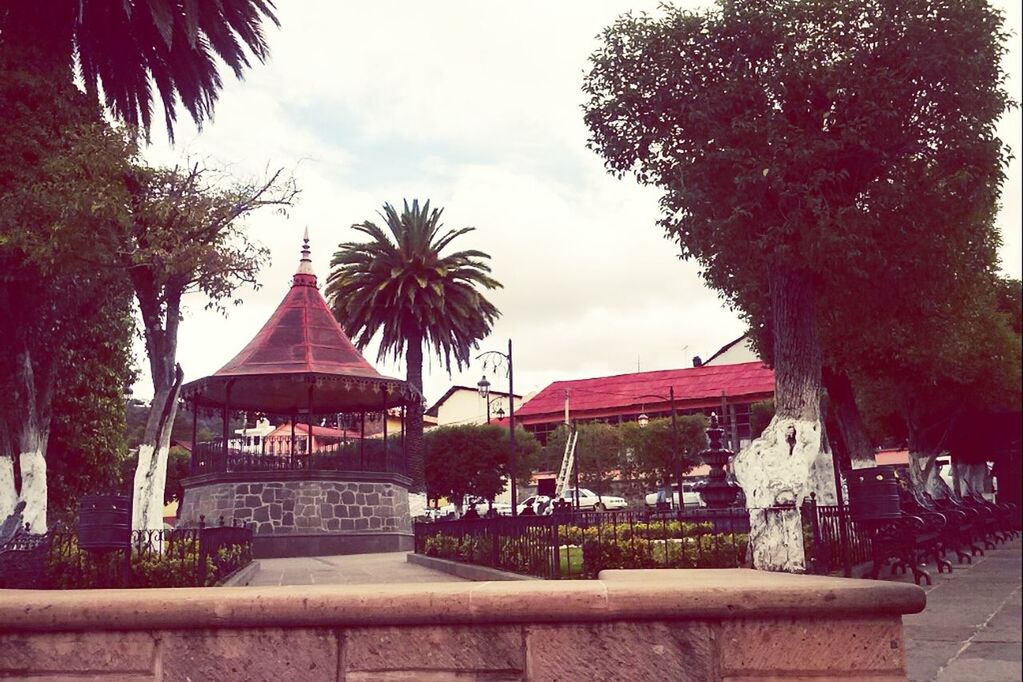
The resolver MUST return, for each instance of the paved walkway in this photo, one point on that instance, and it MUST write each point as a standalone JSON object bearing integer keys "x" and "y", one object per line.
{"x": 970, "y": 630}
{"x": 351, "y": 569}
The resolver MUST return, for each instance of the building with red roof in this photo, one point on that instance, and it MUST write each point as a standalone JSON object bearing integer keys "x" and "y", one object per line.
{"x": 729, "y": 390}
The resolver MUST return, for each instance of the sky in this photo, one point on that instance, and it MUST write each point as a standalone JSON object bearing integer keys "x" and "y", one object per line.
{"x": 475, "y": 106}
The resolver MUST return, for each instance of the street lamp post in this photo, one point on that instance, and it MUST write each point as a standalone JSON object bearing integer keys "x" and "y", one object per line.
{"x": 485, "y": 385}
{"x": 676, "y": 456}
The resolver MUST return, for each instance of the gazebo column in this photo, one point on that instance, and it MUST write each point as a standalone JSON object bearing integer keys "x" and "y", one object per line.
{"x": 195, "y": 424}
{"x": 226, "y": 419}
{"x": 404, "y": 447}
{"x": 309, "y": 423}
{"x": 291, "y": 450}
{"x": 362, "y": 441}
{"x": 384, "y": 392}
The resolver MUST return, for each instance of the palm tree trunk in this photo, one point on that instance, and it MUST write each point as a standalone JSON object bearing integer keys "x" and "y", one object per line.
{"x": 414, "y": 413}
{"x": 776, "y": 468}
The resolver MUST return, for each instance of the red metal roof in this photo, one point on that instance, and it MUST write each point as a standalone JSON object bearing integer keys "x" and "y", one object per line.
{"x": 301, "y": 345}
{"x": 301, "y": 336}
{"x": 692, "y": 385}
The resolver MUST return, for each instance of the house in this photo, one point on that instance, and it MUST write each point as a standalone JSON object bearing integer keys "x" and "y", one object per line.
{"x": 250, "y": 438}
{"x": 727, "y": 389}
{"x": 734, "y": 352}
{"x": 465, "y": 405}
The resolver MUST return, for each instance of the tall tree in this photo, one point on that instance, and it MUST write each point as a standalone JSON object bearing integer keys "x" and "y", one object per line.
{"x": 652, "y": 455}
{"x": 129, "y": 49}
{"x": 61, "y": 188}
{"x": 88, "y": 437}
{"x": 790, "y": 139}
{"x": 185, "y": 234}
{"x": 402, "y": 286}
{"x": 472, "y": 460}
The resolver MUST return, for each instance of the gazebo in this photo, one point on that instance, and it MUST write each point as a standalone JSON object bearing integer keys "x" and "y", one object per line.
{"x": 329, "y": 487}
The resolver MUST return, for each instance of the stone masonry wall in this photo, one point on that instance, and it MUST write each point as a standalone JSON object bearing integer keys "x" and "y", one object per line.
{"x": 731, "y": 625}
{"x": 307, "y": 507}
{"x": 809, "y": 650}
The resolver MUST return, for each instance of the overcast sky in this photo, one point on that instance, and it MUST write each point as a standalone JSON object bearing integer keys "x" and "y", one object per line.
{"x": 475, "y": 106}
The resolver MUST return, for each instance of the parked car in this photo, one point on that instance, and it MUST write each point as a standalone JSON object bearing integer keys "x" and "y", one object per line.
{"x": 541, "y": 504}
{"x": 589, "y": 500}
{"x": 690, "y": 498}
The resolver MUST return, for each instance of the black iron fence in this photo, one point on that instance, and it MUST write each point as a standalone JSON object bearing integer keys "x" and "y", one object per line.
{"x": 835, "y": 542}
{"x": 182, "y": 557}
{"x": 581, "y": 544}
{"x": 281, "y": 453}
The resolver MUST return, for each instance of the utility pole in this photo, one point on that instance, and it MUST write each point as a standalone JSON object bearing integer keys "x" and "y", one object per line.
{"x": 566, "y": 408}
{"x": 511, "y": 423}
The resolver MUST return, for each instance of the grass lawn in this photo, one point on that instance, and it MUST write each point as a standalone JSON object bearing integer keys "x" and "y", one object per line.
{"x": 571, "y": 561}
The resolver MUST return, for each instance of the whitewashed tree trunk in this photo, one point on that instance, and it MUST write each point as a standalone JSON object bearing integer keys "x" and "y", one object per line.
{"x": 8, "y": 493}
{"x": 33, "y": 489}
{"x": 971, "y": 479}
{"x": 923, "y": 473}
{"x": 32, "y": 393}
{"x": 777, "y": 469}
{"x": 842, "y": 404}
{"x": 774, "y": 470}
{"x": 822, "y": 476}
{"x": 8, "y": 490}
{"x": 151, "y": 471}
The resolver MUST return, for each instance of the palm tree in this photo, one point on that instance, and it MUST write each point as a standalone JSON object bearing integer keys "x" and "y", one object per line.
{"x": 406, "y": 290}
{"x": 126, "y": 47}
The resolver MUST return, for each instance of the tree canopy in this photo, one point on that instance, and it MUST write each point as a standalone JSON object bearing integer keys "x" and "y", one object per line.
{"x": 126, "y": 50}
{"x": 805, "y": 153}
{"x": 400, "y": 285}
{"x": 473, "y": 460}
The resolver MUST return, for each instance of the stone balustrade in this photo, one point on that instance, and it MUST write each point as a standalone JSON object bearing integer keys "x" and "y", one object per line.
{"x": 629, "y": 625}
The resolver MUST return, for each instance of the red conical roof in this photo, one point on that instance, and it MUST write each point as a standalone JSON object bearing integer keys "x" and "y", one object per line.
{"x": 300, "y": 347}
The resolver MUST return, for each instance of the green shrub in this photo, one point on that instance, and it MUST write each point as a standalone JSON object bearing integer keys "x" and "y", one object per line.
{"x": 176, "y": 565}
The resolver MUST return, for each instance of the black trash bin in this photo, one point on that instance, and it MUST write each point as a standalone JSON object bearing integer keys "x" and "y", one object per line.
{"x": 104, "y": 523}
{"x": 873, "y": 494}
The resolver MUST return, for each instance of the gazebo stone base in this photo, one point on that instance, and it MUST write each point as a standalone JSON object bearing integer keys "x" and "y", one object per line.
{"x": 305, "y": 513}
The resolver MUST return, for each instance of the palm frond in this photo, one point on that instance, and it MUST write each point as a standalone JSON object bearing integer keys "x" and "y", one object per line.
{"x": 400, "y": 285}
{"x": 127, "y": 47}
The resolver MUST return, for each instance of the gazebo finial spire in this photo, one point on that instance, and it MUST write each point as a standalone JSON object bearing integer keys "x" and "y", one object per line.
{"x": 305, "y": 276}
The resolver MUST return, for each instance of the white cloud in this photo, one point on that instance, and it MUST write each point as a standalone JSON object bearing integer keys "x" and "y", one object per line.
{"x": 475, "y": 105}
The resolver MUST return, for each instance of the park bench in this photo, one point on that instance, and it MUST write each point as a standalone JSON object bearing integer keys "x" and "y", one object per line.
{"x": 22, "y": 554}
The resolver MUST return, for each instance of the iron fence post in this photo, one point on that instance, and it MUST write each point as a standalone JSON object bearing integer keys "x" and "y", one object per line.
{"x": 556, "y": 548}
{"x": 815, "y": 533}
{"x": 495, "y": 530}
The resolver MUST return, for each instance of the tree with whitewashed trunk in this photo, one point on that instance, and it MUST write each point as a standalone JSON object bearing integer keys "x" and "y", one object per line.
{"x": 790, "y": 140}
{"x": 184, "y": 235}
{"x": 54, "y": 263}
{"x": 949, "y": 380}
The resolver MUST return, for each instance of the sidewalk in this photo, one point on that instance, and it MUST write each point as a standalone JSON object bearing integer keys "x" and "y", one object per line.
{"x": 351, "y": 569}
{"x": 970, "y": 630}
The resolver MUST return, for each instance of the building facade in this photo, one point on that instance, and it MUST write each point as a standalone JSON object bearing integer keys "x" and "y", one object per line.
{"x": 729, "y": 390}
{"x": 461, "y": 405}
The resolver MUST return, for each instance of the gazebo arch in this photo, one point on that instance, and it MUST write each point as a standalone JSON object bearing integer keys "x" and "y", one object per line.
{"x": 326, "y": 486}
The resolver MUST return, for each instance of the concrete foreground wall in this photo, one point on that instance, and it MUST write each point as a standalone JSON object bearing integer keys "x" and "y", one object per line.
{"x": 679, "y": 625}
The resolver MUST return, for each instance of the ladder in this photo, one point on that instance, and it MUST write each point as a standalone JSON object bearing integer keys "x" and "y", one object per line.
{"x": 566, "y": 463}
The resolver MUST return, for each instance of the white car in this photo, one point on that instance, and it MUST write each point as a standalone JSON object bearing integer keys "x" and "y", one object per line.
{"x": 690, "y": 498}
{"x": 541, "y": 505}
{"x": 589, "y": 500}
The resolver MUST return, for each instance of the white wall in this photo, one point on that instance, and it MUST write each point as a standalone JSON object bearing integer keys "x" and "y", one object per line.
{"x": 465, "y": 406}
{"x": 737, "y": 354}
